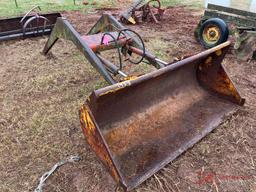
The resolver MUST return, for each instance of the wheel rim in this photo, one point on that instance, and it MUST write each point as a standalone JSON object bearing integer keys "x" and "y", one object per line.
{"x": 211, "y": 34}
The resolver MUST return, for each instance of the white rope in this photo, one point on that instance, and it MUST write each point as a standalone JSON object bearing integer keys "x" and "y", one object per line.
{"x": 45, "y": 176}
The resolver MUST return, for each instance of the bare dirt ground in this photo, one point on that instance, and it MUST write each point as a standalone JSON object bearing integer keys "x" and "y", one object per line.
{"x": 39, "y": 101}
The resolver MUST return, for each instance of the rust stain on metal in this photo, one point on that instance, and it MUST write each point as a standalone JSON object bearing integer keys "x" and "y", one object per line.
{"x": 118, "y": 87}
{"x": 208, "y": 61}
{"x": 129, "y": 78}
{"x": 214, "y": 76}
{"x": 95, "y": 141}
{"x": 218, "y": 52}
{"x": 152, "y": 123}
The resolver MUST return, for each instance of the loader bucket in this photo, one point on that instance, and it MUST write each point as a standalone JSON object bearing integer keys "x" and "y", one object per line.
{"x": 32, "y": 26}
{"x": 136, "y": 127}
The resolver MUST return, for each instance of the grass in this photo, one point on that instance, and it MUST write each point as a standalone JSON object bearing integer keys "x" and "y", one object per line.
{"x": 157, "y": 45}
{"x": 189, "y": 3}
{"x": 9, "y": 8}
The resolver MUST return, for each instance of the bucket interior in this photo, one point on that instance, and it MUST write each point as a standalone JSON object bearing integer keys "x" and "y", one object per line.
{"x": 155, "y": 121}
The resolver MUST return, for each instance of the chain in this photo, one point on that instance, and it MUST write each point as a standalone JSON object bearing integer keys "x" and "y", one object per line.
{"x": 45, "y": 176}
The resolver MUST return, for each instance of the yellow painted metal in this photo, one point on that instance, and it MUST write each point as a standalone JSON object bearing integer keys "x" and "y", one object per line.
{"x": 211, "y": 34}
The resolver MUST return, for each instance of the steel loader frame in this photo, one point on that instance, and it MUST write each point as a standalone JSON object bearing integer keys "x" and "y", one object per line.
{"x": 92, "y": 44}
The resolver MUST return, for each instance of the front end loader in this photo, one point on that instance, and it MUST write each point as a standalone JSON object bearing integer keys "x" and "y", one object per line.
{"x": 138, "y": 125}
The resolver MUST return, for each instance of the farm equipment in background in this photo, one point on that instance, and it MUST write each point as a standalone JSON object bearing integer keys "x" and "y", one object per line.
{"x": 139, "y": 125}
{"x": 213, "y": 29}
{"x": 143, "y": 11}
{"x": 31, "y": 24}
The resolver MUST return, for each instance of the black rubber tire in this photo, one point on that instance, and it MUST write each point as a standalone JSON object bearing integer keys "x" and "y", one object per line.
{"x": 222, "y": 27}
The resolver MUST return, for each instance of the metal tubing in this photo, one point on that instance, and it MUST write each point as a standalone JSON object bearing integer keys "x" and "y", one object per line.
{"x": 114, "y": 69}
{"x": 149, "y": 57}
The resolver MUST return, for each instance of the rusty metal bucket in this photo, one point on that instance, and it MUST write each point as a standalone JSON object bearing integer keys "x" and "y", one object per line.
{"x": 138, "y": 126}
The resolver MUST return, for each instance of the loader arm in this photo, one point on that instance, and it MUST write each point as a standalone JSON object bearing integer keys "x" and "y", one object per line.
{"x": 106, "y": 34}
{"x": 63, "y": 29}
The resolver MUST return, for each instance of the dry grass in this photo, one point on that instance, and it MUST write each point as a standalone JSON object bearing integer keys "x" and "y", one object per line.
{"x": 39, "y": 101}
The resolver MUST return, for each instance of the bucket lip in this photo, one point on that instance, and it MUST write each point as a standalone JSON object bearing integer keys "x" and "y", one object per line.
{"x": 113, "y": 88}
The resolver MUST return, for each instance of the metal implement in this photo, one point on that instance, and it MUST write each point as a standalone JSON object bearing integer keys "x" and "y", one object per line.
{"x": 143, "y": 11}
{"x": 231, "y": 15}
{"x": 245, "y": 43}
{"x": 244, "y": 32}
{"x": 31, "y": 24}
{"x": 136, "y": 127}
{"x": 106, "y": 34}
{"x": 45, "y": 176}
